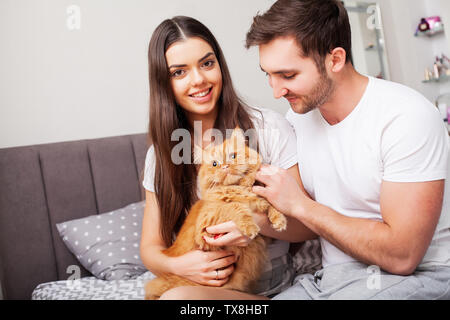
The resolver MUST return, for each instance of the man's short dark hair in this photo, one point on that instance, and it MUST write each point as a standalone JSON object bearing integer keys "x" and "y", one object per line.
{"x": 319, "y": 26}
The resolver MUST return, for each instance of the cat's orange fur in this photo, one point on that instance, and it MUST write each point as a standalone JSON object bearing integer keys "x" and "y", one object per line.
{"x": 226, "y": 195}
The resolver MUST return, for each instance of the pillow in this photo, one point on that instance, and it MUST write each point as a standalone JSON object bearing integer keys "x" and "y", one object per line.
{"x": 308, "y": 258}
{"x": 107, "y": 244}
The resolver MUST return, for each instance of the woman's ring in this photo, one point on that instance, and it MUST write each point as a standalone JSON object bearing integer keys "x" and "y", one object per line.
{"x": 217, "y": 274}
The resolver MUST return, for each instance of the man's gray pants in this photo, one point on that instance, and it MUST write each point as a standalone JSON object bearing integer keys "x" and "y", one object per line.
{"x": 355, "y": 280}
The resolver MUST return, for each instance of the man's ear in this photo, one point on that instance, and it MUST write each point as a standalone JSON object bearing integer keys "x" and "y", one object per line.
{"x": 336, "y": 60}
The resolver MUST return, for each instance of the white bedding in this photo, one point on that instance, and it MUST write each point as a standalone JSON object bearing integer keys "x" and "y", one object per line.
{"x": 91, "y": 288}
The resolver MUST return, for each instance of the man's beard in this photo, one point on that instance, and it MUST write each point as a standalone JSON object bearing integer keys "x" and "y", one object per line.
{"x": 319, "y": 95}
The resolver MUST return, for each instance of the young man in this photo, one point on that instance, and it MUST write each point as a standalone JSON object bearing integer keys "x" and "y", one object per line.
{"x": 372, "y": 156}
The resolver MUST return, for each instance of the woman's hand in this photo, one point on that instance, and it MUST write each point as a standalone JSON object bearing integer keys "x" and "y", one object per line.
{"x": 226, "y": 234}
{"x": 209, "y": 268}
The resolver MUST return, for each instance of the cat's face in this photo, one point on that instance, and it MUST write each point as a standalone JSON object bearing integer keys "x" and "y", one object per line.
{"x": 230, "y": 163}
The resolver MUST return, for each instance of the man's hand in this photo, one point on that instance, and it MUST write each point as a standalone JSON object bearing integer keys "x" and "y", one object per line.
{"x": 281, "y": 189}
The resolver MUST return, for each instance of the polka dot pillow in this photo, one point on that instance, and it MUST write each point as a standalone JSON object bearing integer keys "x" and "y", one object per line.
{"x": 107, "y": 244}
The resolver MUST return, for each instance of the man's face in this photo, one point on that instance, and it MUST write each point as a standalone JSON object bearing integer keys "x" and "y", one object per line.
{"x": 294, "y": 77}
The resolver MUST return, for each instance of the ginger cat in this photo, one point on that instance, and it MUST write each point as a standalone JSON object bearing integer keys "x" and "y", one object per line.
{"x": 225, "y": 180}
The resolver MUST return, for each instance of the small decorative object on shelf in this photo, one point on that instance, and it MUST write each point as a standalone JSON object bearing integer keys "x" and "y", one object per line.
{"x": 370, "y": 46}
{"x": 443, "y": 104}
{"x": 440, "y": 71}
{"x": 440, "y": 79}
{"x": 429, "y": 26}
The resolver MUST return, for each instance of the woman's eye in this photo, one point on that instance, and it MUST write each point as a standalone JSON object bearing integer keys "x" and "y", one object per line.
{"x": 178, "y": 73}
{"x": 214, "y": 163}
{"x": 233, "y": 156}
{"x": 208, "y": 63}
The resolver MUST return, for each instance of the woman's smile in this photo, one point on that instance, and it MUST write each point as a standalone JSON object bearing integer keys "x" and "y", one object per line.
{"x": 202, "y": 96}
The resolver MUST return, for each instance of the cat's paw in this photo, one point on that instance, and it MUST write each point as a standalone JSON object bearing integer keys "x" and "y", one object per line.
{"x": 278, "y": 220}
{"x": 251, "y": 230}
{"x": 200, "y": 241}
{"x": 259, "y": 205}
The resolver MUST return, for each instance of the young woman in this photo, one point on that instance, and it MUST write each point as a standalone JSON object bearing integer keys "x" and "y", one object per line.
{"x": 189, "y": 81}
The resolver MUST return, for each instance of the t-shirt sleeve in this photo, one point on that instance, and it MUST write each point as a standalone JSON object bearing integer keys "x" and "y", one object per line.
{"x": 280, "y": 141}
{"x": 149, "y": 171}
{"x": 415, "y": 147}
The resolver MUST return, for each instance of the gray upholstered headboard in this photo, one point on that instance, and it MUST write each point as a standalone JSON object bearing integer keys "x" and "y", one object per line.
{"x": 46, "y": 184}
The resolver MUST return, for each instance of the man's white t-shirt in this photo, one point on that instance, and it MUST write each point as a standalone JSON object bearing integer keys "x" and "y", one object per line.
{"x": 277, "y": 146}
{"x": 393, "y": 134}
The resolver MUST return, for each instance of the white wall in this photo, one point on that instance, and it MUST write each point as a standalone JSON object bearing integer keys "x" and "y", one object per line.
{"x": 408, "y": 55}
{"x": 358, "y": 48}
{"x": 59, "y": 84}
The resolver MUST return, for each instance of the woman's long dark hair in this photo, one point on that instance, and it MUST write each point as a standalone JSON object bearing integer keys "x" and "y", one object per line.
{"x": 175, "y": 185}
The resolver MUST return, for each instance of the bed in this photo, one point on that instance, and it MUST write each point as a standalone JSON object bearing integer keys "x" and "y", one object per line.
{"x": 70, "y": 220}
{"x": 43, "y": 185}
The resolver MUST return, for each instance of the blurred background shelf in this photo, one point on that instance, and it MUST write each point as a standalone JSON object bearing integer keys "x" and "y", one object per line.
{"x": 430, "y": 33}
{"x": 442, "y": 78}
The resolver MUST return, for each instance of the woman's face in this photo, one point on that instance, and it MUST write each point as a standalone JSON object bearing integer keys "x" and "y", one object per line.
{"x": 196, "y": 78}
